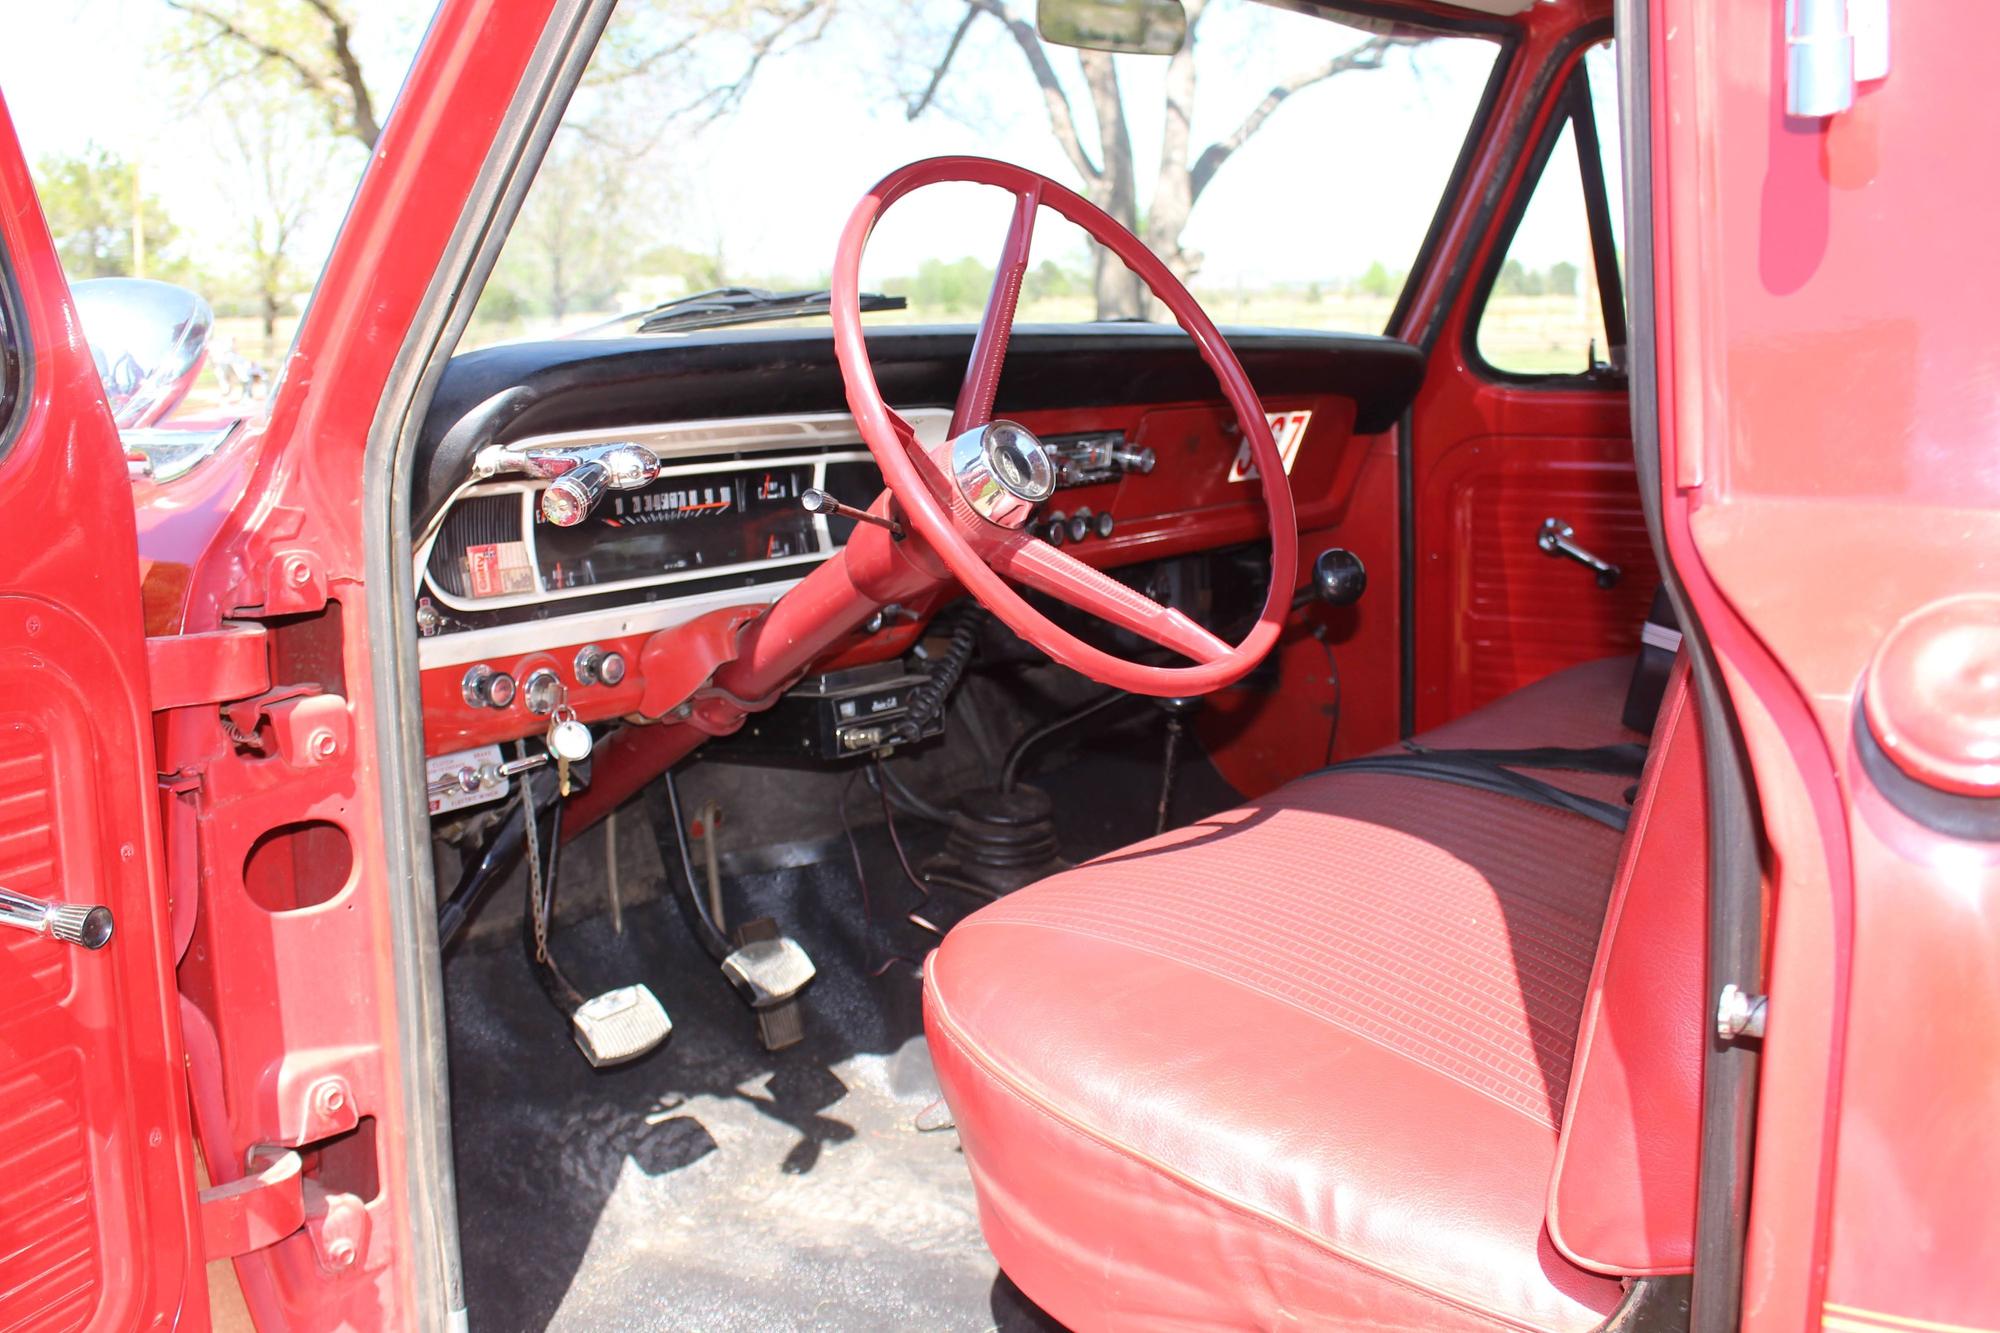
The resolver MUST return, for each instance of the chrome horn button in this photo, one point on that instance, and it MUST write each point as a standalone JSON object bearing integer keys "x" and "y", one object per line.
{"x": 1003, "y": 471}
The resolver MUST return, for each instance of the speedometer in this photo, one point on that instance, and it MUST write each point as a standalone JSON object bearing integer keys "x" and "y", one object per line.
{"x": 706, "y": 520}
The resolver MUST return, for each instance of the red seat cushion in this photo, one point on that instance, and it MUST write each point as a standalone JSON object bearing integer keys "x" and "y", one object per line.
{"x": 1299, "y": 1064}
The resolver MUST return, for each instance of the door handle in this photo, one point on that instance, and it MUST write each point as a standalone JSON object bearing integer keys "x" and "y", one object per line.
{"x": 81, "y": 924}
{"x": 1558, "y": 539}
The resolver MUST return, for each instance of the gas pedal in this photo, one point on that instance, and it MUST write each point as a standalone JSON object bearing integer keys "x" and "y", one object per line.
{"x": 620, "y": 1025}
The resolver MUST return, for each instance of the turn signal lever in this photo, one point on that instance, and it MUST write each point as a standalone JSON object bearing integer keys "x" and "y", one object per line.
{"x": 1338, "y": 579}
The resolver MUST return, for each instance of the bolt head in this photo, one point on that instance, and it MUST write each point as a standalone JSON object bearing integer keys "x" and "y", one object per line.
{"x": 329, "y": 1097}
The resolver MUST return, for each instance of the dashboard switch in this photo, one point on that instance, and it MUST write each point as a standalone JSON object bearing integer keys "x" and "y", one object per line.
{"x": 486, "y": 688}
{"x": 599, "y": 666}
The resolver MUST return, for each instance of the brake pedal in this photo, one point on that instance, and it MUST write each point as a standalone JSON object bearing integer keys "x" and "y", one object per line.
{"x": 769, "y": 969}
{"x": 620, "y": 1025}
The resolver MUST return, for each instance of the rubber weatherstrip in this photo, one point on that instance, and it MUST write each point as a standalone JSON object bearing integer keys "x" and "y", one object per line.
{"x": 1458, "y": 768}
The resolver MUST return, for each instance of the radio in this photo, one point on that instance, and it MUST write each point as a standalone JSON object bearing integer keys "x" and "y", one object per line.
{"x": 837, "y": 715}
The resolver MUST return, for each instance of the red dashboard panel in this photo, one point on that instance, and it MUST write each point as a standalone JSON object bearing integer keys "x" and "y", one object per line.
{"x": 1186, "y": 503}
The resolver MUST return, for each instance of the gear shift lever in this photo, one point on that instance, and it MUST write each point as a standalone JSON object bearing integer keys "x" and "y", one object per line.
{"x": 1338, "y": 579}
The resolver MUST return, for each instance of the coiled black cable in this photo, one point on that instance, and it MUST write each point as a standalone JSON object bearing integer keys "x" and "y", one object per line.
{"x": 928, "y": 699}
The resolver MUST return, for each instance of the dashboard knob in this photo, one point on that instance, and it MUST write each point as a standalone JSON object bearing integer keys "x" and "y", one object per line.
{"x": 1103, "y": 524}
{"x": 1056, "y": 530}
{"x": 570, "y": 497}
{"x": 484, "y": 687}
{"x": 1079, "y": 525}
{"x": 1138, "y": 460}
{"x": 599, "y": 666}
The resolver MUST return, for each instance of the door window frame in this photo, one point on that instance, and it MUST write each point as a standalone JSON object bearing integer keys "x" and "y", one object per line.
{"x": 1572, "y": 110}
{"x": 17, "y": 367}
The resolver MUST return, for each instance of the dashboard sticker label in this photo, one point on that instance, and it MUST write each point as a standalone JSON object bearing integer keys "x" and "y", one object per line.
{"x": 485, "y": 784}
{"x": 1288, "y": 429}
{"x": 498, "y": 569}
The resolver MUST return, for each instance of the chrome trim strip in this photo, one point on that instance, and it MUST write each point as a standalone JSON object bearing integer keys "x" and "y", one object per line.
{"x": 500, "y": 642}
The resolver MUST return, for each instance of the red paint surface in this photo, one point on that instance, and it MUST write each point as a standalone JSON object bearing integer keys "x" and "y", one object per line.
{"x": 1830, "y": 420}
{"x": 1493, "y": 458}
{"x": 285, "y": 1000}
{"x": 97, "y": 1193}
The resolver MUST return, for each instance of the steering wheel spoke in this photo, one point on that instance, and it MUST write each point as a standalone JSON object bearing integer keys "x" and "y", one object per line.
{"x": 996, "y": 326}
{"x": 1042, "y": 567}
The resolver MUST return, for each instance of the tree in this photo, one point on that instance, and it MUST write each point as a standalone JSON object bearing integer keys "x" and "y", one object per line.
{"x": 568, "y": 250}
{"x": 104, "y": 224}
{"x": 1377, "y": 281}
{"x": 1562, "y": 278}
{"x": 1108, "y": 170}
{"x": 308, "y": 44}
{"x": 277, "y": 166}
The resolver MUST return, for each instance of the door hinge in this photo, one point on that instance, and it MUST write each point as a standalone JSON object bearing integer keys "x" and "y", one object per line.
{"x": 207, "y": 668}
{"x": 261, "y": 1209}
{"x": 1830, "y": 47}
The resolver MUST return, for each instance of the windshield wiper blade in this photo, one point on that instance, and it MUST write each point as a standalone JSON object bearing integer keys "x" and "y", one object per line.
{"x": 748, "y": 305}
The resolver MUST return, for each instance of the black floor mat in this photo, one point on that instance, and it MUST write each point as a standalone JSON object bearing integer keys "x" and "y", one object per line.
{"x": 712, "y": 1185}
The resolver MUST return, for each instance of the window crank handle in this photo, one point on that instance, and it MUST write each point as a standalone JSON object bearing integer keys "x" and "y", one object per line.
{"x": 81, "y": 924}
{"x": 1558, "y": 539}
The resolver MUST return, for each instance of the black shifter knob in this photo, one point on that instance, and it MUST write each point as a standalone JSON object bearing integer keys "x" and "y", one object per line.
{"x": 1338, "y": 579}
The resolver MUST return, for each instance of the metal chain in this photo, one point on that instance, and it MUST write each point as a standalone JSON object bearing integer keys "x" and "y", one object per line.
{"x": 538, "y": 907}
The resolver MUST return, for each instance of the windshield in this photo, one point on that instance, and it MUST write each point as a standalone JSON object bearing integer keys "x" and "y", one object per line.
{"x": 1286, "y": 164}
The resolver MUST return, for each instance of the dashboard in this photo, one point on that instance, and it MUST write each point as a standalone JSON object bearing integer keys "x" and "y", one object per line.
{"x": 513, "y": 611}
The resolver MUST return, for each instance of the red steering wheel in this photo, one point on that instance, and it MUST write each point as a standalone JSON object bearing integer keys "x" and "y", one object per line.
{"x": 969, "y": 498}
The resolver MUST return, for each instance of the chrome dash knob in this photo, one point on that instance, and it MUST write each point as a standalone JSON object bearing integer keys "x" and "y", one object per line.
{"x": 570, "y": 497}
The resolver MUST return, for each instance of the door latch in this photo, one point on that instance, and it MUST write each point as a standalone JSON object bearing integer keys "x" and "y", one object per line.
{"x": 83, "y": 924}
{"x": 1558, "y": 539}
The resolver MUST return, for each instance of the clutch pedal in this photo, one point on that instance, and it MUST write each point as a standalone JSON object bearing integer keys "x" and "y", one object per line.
{"x": 620, "y": 1025}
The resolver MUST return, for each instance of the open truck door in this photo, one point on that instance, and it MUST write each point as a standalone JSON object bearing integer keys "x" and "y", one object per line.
{"x": 99, "y": 1212}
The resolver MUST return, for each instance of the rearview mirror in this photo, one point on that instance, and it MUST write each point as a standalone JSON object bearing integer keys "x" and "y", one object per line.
{"x": 1132, "y": 27}
{"x": 148, "y": 340}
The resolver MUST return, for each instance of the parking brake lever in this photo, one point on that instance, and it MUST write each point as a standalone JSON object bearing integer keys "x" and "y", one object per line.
{"x": 1558, "y": 539}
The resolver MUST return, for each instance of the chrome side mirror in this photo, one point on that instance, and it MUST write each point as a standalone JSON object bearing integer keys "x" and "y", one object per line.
{"x": 578, "y": 475}
{"x": 1132, "y": 27}
{"x": 148, "y": 340}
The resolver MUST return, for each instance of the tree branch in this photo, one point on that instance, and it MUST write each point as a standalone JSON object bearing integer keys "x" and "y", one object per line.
{"x": 1369, "y": 55}
{"x": 1062, "y": 120}
{"x": 328, "y": 87}
{"x": 923, "y": 100}
{"x": 723, "y": 98}
{"x": 361, "y": 105}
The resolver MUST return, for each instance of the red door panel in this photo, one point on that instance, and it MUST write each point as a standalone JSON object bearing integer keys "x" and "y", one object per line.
{"x": 97, "y": 1188}
{"x": 1495, "y": 611}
